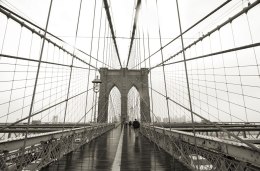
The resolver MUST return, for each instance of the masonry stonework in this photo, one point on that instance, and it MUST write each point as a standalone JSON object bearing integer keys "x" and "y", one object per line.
{"x": 124, "y": 80}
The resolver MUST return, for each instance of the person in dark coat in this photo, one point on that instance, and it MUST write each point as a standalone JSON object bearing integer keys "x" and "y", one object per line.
{"x": 136, "y": 126}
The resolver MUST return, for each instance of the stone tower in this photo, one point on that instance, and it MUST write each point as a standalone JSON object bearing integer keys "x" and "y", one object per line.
{"x": 124, "y": 80}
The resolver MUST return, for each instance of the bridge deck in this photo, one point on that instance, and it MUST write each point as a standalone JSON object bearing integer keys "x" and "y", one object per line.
{"x": 118, "y": 149}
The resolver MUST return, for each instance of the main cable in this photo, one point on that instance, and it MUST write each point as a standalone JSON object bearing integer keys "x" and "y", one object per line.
{"x": 112, "y": 29}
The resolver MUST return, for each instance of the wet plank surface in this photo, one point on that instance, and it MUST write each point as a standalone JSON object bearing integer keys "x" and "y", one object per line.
{"x": 119, "y": 149}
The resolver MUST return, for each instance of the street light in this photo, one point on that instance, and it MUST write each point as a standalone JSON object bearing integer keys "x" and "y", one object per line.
{"x": 96, "y": 84}
{"x": 96, "y": 87}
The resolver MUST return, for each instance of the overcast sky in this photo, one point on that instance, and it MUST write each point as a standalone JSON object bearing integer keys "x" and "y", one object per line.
{"x": 222, "y": 86}
{"x": 65, "y": 12}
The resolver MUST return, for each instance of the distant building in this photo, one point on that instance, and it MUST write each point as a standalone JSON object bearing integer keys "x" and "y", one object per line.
{"x": 36, "y": 121}
{"x": 55, "y": 119}
{"x": 203, "y": 121}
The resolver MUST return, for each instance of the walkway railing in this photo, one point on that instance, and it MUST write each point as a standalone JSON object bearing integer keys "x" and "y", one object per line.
{"x": 42, "y": 149}
{"x": 209, "y": 153}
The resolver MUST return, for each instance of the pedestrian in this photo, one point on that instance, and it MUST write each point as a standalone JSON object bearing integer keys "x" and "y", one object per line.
{"x": 130, "y": 123}
{"x": 136, "y": 125}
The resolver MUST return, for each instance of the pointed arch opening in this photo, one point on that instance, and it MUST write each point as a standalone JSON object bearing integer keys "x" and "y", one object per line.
{"x": 133, "y": 104}
{"x": 114, "y": 105}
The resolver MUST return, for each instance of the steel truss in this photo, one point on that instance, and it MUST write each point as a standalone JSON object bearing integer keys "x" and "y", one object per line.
{"x": 209, "y": 154}
{"x": 42, "y": 149}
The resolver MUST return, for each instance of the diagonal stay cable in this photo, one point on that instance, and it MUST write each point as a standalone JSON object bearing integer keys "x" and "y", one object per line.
{"x": 94, "y": 105}
{"x": 12, "y": 15}
{"x": 42, "y": 35}
{"x": 195, "y": 24}
{"x": 133, "y": 30}
{"x": 213, "y": 54}
{"x": 36, "y": 113}
{"x": 214, "y": 124}
{"x": 72, "y": 62}
{"x": 112, "y": 29}
{"x": 243, "y": 11}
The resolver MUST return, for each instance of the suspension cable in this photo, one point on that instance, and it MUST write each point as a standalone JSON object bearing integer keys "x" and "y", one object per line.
{"x": 187, "y": 80}
{"x": 245, "y": 10}
{"x": 92, "y": 34}
{"x": 164, "y": 77}
{"x": 72, "y": 62}
{"x": 214, "y": 124}
{"x": 43, "y": 110}
{"x": 198, "y": 22}
{"x": 36, "y": 80}
{"x": 150, "y": 75}
{"x": 94, "y": 99}
{"x": 104, "y": 43}
{"x": 3, "y": 42}
{"x": 24, "y": 19}
{"x": 133, "y": 30}
{"x": 112, "y": 29}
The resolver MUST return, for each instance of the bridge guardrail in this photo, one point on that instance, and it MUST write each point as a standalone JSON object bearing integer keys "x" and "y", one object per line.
{"x": 219, "y": 154}
{"x": 42, "y": 149}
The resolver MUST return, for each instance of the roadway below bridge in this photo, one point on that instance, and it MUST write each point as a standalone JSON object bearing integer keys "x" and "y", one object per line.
{"x": 118, "y": 149}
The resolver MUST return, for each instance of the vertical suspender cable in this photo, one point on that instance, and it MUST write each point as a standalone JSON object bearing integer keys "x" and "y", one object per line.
{"x": 225, "y": 76}
{"x": 91, "y": 45}
{"x": 150, "y": 75}
{"x": 139, "y": 47}
{"x": 27, "y": 71}
{"x": 95, "y": 101}
{"x": 214, "y": 78}
{"x": 12, "y": 85}
{"x": 138, "y": 54}
{"x": 3, "y": 42}
{"x": 164, "y": 78}
{"x": 195, "y": 24}
{"x": 144, "y": 49}
{"x": 107, "y": 47}
{"x": 68, "y": 90}
{"x": 238, "y": 67}
{"x": 104, "y": 45}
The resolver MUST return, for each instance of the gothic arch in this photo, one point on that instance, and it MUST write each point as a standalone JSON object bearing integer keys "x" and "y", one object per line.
{"x": 133, "y": 107}
{"x": 113, "y": 86}
{"x": 131, "y": 86}
{"x": 124, "y": 80}
{"x": 114, "y": 100}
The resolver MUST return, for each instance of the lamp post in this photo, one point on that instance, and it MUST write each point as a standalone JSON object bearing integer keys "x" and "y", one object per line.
{"x": 96, "y": 87}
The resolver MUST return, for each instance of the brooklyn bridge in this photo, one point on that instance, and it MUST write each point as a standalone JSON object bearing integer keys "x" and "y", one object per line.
{"x": 75, "y": 74}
